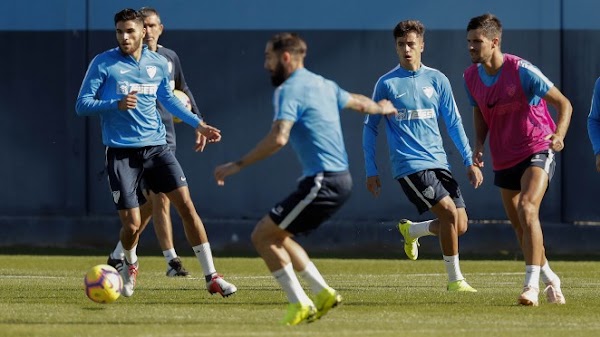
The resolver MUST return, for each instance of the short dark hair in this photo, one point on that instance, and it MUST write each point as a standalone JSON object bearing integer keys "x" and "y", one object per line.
{"x": 488, "y": 23}
{"x": 407, "y": 26}
{"x": 148, "y": 11}
{"x": 128, "y": 14}
{"x": 288, "y": 42}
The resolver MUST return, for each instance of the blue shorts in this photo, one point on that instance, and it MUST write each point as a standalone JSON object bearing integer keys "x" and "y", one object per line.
{"x": 426, "y": 188}
{"x": 315, "y": 200}
{"x": 156, "y": 166}
{"x": 510, "y": 178}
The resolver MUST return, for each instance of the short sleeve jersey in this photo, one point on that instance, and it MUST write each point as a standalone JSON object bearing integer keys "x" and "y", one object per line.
{"x": 313, "y": 103}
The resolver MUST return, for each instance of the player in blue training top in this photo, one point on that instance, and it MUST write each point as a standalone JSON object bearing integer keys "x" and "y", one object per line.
{"x": 159, "y": 207}
{"x": 122, "y": 86}
{"x": 593, "y": 123}
{"x": 422, "y": 95}
{"x": 307, "y": 115}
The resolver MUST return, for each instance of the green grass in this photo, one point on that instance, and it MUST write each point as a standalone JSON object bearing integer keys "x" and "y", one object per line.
{"x": 43, "y": 296}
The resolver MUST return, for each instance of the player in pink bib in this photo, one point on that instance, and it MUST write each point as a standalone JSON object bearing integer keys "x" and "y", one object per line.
{"x": 509, "y": 96}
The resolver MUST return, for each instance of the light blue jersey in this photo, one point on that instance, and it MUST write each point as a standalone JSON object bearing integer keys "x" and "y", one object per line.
{"x": 535, "y": 84}
{"x": 111, "y": 76}
{"x": 593, "y": 122}
{"x": 413, "y": 135}
{"x": 313, "y": 103}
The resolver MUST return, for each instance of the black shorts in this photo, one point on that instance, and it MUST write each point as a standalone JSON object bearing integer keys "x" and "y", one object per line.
{"x": 126, "y": 167}
{"x": 426, "y": 188}
{"x": 315, "y": 200}
{"x": 510, "y": 178}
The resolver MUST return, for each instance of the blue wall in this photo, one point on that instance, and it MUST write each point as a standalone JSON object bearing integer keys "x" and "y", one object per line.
{"x": 53, "y": 159}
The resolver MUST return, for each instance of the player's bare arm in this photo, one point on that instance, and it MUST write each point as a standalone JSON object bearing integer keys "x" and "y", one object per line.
{"x": 564, "y": 112}
{"x": 481, "y": 131}
{"x": 276, "y": 139}
{"x": 364, "y": 104}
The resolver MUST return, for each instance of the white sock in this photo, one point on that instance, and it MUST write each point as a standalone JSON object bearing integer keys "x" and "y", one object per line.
{"x": 290, "y": 285}
{"x": 453, "y": 268}
{"x": 118, "y": 252}
{"x": 548, "y": 276}
{"x": 314, "y": 279}
{"x": 532, "y": 276}
{"x": 204, "y": 255}
{"x": 169, "y": 254}
{"x": 131, "y": 255}
{"x": 419, "y": 229}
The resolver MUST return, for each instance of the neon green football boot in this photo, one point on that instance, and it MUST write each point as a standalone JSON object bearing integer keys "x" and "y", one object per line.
{"x": 298, "y": 313}
{"x": 411, "y": 245}
{"x": 325, "y": 300}
{"x": 461, "y": 286}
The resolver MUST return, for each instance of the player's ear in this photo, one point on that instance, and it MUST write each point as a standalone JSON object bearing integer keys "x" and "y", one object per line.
{"x": 286, "y": 57}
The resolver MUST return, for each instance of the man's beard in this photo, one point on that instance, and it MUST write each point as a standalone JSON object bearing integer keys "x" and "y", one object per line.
{"x": 278, "y": 76}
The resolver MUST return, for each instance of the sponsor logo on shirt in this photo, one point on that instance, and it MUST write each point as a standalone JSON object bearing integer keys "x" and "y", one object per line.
{"x": 404, "y": 115}
{"x": 122, "y": 88}
{"x": 145, "y": 89}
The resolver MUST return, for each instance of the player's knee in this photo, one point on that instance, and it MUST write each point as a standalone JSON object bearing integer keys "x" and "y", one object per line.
{"x": 461, "y": 226}
{"x": 527, "y": 210}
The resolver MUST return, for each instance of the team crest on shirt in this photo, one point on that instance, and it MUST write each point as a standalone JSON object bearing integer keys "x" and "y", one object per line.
{"x": 170, "y": 66}
{"x": 428, "y": 91}
{"x": 511, "y": 90}
{"x": 428, "y": 192}
{"x": 122, "y": 88}
{"x": 151, "y": 70}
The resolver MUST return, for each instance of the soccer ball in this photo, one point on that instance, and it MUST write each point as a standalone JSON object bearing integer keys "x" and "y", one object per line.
{"x": 103, "y": 284}
{"x": 185, "y": 100}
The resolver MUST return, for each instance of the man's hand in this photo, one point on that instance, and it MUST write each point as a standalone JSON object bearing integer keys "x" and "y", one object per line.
{"x": 478, "y": 156}
{"x": 556, "y": 142}
{"x": 200, "y": 142}
{"x": 374, "y": 185}
{"x": 475, "y": 176}
{"x": 387, "y": 107}
{"x": 225, "y": 170}
{"x": 128, "y": 102}
{"x": 211, "y": 133}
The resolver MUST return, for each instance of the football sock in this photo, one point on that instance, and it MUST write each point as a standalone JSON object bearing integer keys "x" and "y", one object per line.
{"x": 118, "y": 252}
{"x": 169, "y": 254}
{"x": 532, "y": 276}
{"x": 453, "y": 268}
{"x": 131, "y": 255}
{"x": 419, "y": 229}
{"x": 548, "y": 276}
{"x": 204, "y": 255}
{"x": 291, "y": 285}
{"x": 312, "y": 276}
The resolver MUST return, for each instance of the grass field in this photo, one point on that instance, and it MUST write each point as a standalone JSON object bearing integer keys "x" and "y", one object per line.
{"x": 43, "y": 296}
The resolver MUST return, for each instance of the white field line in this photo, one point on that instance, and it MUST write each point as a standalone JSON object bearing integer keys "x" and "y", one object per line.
{"x": 269, "y": 276}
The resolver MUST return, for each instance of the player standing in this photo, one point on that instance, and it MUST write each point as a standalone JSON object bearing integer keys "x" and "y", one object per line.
{"x": 509, "y": 96}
